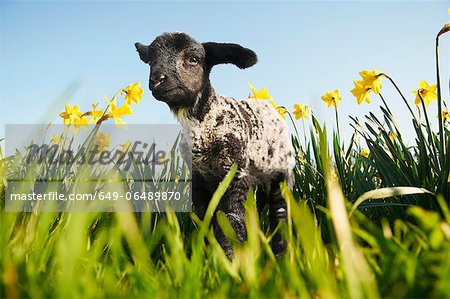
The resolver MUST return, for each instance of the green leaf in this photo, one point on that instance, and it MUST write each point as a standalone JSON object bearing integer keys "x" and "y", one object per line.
{"x": 223, "y": 186}
{"x": 388, "y": 192}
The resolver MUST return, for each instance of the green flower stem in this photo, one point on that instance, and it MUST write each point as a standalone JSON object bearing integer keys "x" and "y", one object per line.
{"x": 293, "y": 123}
{"x": 337, "y": 123}
{"x": 104, "y": 115}
{"x": 296, "y": 132}
{"x": 304, "y": 130}
{"x": 429, "y": 131}
{"x": 401, "y": 94}
{"x": 440, "y": 118}
{"x": 397, "y": 128}
{"x": 96, "y": 128}
{"x": 385, "y": 104}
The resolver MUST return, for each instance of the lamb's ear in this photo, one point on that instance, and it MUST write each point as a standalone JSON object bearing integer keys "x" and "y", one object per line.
{"x": 143, "y": 51}
{"x": 217, "y": 53}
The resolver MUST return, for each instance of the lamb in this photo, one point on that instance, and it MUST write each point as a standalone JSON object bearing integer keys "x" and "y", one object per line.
{"x": 220, "y": 131}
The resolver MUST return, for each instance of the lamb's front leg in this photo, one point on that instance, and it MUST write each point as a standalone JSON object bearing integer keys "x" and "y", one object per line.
{"x": 232, "y": 205}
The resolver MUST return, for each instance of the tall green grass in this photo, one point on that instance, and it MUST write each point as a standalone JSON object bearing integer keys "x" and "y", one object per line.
{"x": 163, "y": 255}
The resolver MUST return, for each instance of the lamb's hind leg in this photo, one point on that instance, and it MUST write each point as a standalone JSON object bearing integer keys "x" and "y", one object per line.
{"x": 277, "y": 214}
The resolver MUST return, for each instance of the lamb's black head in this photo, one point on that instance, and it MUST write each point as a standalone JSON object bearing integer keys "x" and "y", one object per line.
{"x": 180, "y": 66}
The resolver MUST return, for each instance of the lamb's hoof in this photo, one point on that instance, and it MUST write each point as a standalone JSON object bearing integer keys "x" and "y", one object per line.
{"x": 278, "y": 245}
{"x": 229, "y": 253}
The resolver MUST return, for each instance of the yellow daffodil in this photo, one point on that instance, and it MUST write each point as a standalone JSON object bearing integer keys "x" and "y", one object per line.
{"x": 133, "y": 93}
{"x": 445, "y": 115}
{"x": 361, "y": 91}
{"x": 102, "y": 141}
{"x": 427, "y": 92}
{"x": 301, "y": 111}
{"x": 95, "y": 114}
{"x": 393, "y": 136}
{"x": 126, "y": 146}
{"x": 372, "y": 79}
{"x": 116, "y": 112}
{"x": 82, "y": 121}
{"x": 71, "y": 115}
{"x": 332, "y": 98}
{"x": 163, "y": 159}
{"x": 281, "y": 110}
{"x": 301, "y": 159}
{"x": 377, "y": 180}
{"x": 57, "y": 139}
{"x": 263, "y": 94}
{"x": 365, "y": 152}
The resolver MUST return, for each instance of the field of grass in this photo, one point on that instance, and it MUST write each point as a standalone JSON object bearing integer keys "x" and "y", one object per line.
{"x": 363, "y": 222}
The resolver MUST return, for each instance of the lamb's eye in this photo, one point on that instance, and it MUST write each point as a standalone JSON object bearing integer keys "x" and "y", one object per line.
{"x": 193, "y": 60}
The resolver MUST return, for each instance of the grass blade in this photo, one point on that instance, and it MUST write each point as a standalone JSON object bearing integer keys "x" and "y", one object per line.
{"x": 388, "y": 192}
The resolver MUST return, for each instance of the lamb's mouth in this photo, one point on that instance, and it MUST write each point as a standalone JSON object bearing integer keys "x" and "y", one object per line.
{"x": 166, "y": 95}
{"x": 174, "y": 97}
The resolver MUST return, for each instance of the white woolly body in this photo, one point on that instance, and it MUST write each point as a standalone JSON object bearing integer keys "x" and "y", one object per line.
{"x": 248, "y": 132}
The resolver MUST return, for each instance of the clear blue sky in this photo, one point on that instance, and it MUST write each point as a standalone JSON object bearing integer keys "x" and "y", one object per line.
{"x": 304, "y": 48}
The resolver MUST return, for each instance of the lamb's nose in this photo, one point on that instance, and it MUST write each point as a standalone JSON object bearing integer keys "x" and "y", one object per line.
{"x": 157, "y": 79}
